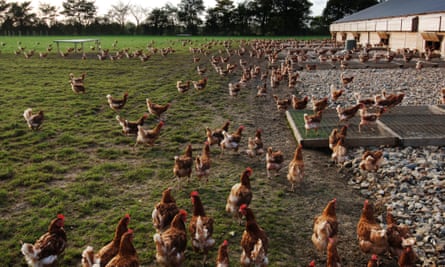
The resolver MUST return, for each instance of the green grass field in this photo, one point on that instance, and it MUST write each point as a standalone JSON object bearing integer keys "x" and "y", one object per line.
{"x": 81, "y": 165}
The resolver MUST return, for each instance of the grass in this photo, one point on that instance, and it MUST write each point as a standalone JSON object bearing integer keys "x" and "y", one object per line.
{"x": 80, "y": 164}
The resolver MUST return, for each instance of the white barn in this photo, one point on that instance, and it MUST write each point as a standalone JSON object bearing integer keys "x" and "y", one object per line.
{"x": 396, "y": 24}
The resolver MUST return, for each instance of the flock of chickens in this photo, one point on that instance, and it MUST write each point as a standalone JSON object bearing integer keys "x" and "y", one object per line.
{"x": 169, "y": 220}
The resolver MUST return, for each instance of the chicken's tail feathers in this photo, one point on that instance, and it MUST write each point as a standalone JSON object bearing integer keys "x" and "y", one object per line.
{"x": 27, "y": 114}
{"x": 31, "y": 254}
{"x": 88, "y": 258}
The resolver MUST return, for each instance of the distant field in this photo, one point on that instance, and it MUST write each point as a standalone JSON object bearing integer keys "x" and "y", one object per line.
{"x": 40, "y": 43}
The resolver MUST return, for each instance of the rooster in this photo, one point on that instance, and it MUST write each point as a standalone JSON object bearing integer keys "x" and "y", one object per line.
{"x": 254, "y": 241}
{"x": 296, "y": 168}
{"x": 333, "y": 260}
{"x": 131, "y": 127}
{"x": 149, "y": 136}
{"x": 274, "y": 161}
{"x": 183, "y": 164}
{"x": 44, "y": 252}
{"x": 282, "y": 103}
{"x": 299, "y": 103}
{"x": 241, "y": 193}
{"x": 202, "y": 162}
{"x": 200, "y": 84}
{"x": 371, "y": 236}
{"x": 371, "y": 160}
{"x": 164, "y": 211}
{"x": 339, "y": 152}
{"x": 127, "y": 255}
{"x": 345, "y": 114}
{"x": 312, "y": 121}
{"x": 222, "y": 260}
{"x": 216, "y": 136}
{"x": 255, "y": 145}
{"x": 319, "y": 104}
{"x": 106, "y": 253}
{"x": 325, "y": 226}
{"x": 399, "y": 235}
{"x": 171, "y": 244}
{"x": 183, "y": 87}
{"x": 157, "y": 109}
{"x": 200, "y": 227}
{"x": 117, "y": 104}
{"x": 34, "y": 121}
{"x": 367, "y": 118}
{"x": 231, "y": 141}
{"x": 336, "y": 93}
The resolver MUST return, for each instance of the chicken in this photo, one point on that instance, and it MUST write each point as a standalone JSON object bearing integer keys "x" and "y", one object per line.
{"x": 183, "y": 87}
{"x": 216, "y": 136}
{"x": 336, "y": 93}
{"x": 117, "y": 104}
{"x": 44, "y": 252}
{"x": 367, "y": 119}
{"x": 241, "y": 193}
{"x": 157, "y": 109}
{"x": 164, "y": 211}
{"x": 312, "y": 121}
{"x": 254, "y": 241}
{"x": 336, "y": 135}
{"x": 388, "y": 101}
{"x": 371, "y": 236}
{"x": 295, "y": 173}
{"x": 171, "y": 244}
{"x": 200, "y": 84}
{"x": 345, "y": 114}
{"x": 282, "y": 103}
{"x": 399, "y": 235}
{"x": 311, "y": 264}
{"x": 320, "y": 104}
{"x": 149, "y": 136}
{"x": 274, "y": 161}
{"x": 131, "y": 127}
{"x": 373, "y": 261}
{"x": 127, "y": 255}
{"x": 255, "y": 145}
{"x": 371, "y": 160}
{"x": 202, "y": 162}
{"x": 325, "y": 226}
{"x": 183, "y": 165}
{"x": 77, "y": 80}
{"x": 365, "y": 101}
{"x": 201, "y": 70}
{"x": 106, "y": 253}
{"x": 299, "y": 103}
{"x": 339, "y": 152}
{"x": 234, "y": 89}
{"x": 261, "y": 90}
{"x": 200, "y": 227}
{"x": 77, "y": 87}
{"x": 408, "y": 258}
{"x": 222, "y": 260}
{"x": 345, "y": 80}
{"x": 34, "y": 121}
{"x": 231, "y": 141}
{"x": 333, "y": 260}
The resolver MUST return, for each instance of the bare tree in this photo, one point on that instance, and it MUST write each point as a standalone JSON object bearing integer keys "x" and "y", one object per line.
{"x": 120, "y": 12}
{"x": 47, "y": 13}
{"x": 139, "y": 14}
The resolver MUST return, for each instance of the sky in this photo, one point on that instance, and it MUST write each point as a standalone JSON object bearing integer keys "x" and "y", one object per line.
{"x": 104, "y": 5}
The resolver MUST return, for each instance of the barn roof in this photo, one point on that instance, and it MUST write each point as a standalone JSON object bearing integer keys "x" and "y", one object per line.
{"x": 396, "y": 8}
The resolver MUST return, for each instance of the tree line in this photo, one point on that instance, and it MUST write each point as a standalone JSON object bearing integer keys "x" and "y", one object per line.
{"x": 250, "y": 17}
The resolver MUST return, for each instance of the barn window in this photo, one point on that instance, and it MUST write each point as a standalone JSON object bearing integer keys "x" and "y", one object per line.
{"x": 415, "y": 24}
{"x": 432, "y": 40}
{"x": 384, "y": 38}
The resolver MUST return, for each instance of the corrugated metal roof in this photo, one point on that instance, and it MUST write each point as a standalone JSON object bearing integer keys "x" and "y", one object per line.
{"x": 396, "y": 8}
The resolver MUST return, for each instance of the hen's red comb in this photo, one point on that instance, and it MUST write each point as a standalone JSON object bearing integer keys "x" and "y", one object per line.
{"x": 194, "y": 194}
{"x": 249, "y": 170}
{"x": 374, "y": 257}
{"x": 127, "y": 216}
{"x": 225, "y": 243}
{"x": 60, "y": 216}
{"x": 243, "y": 207}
